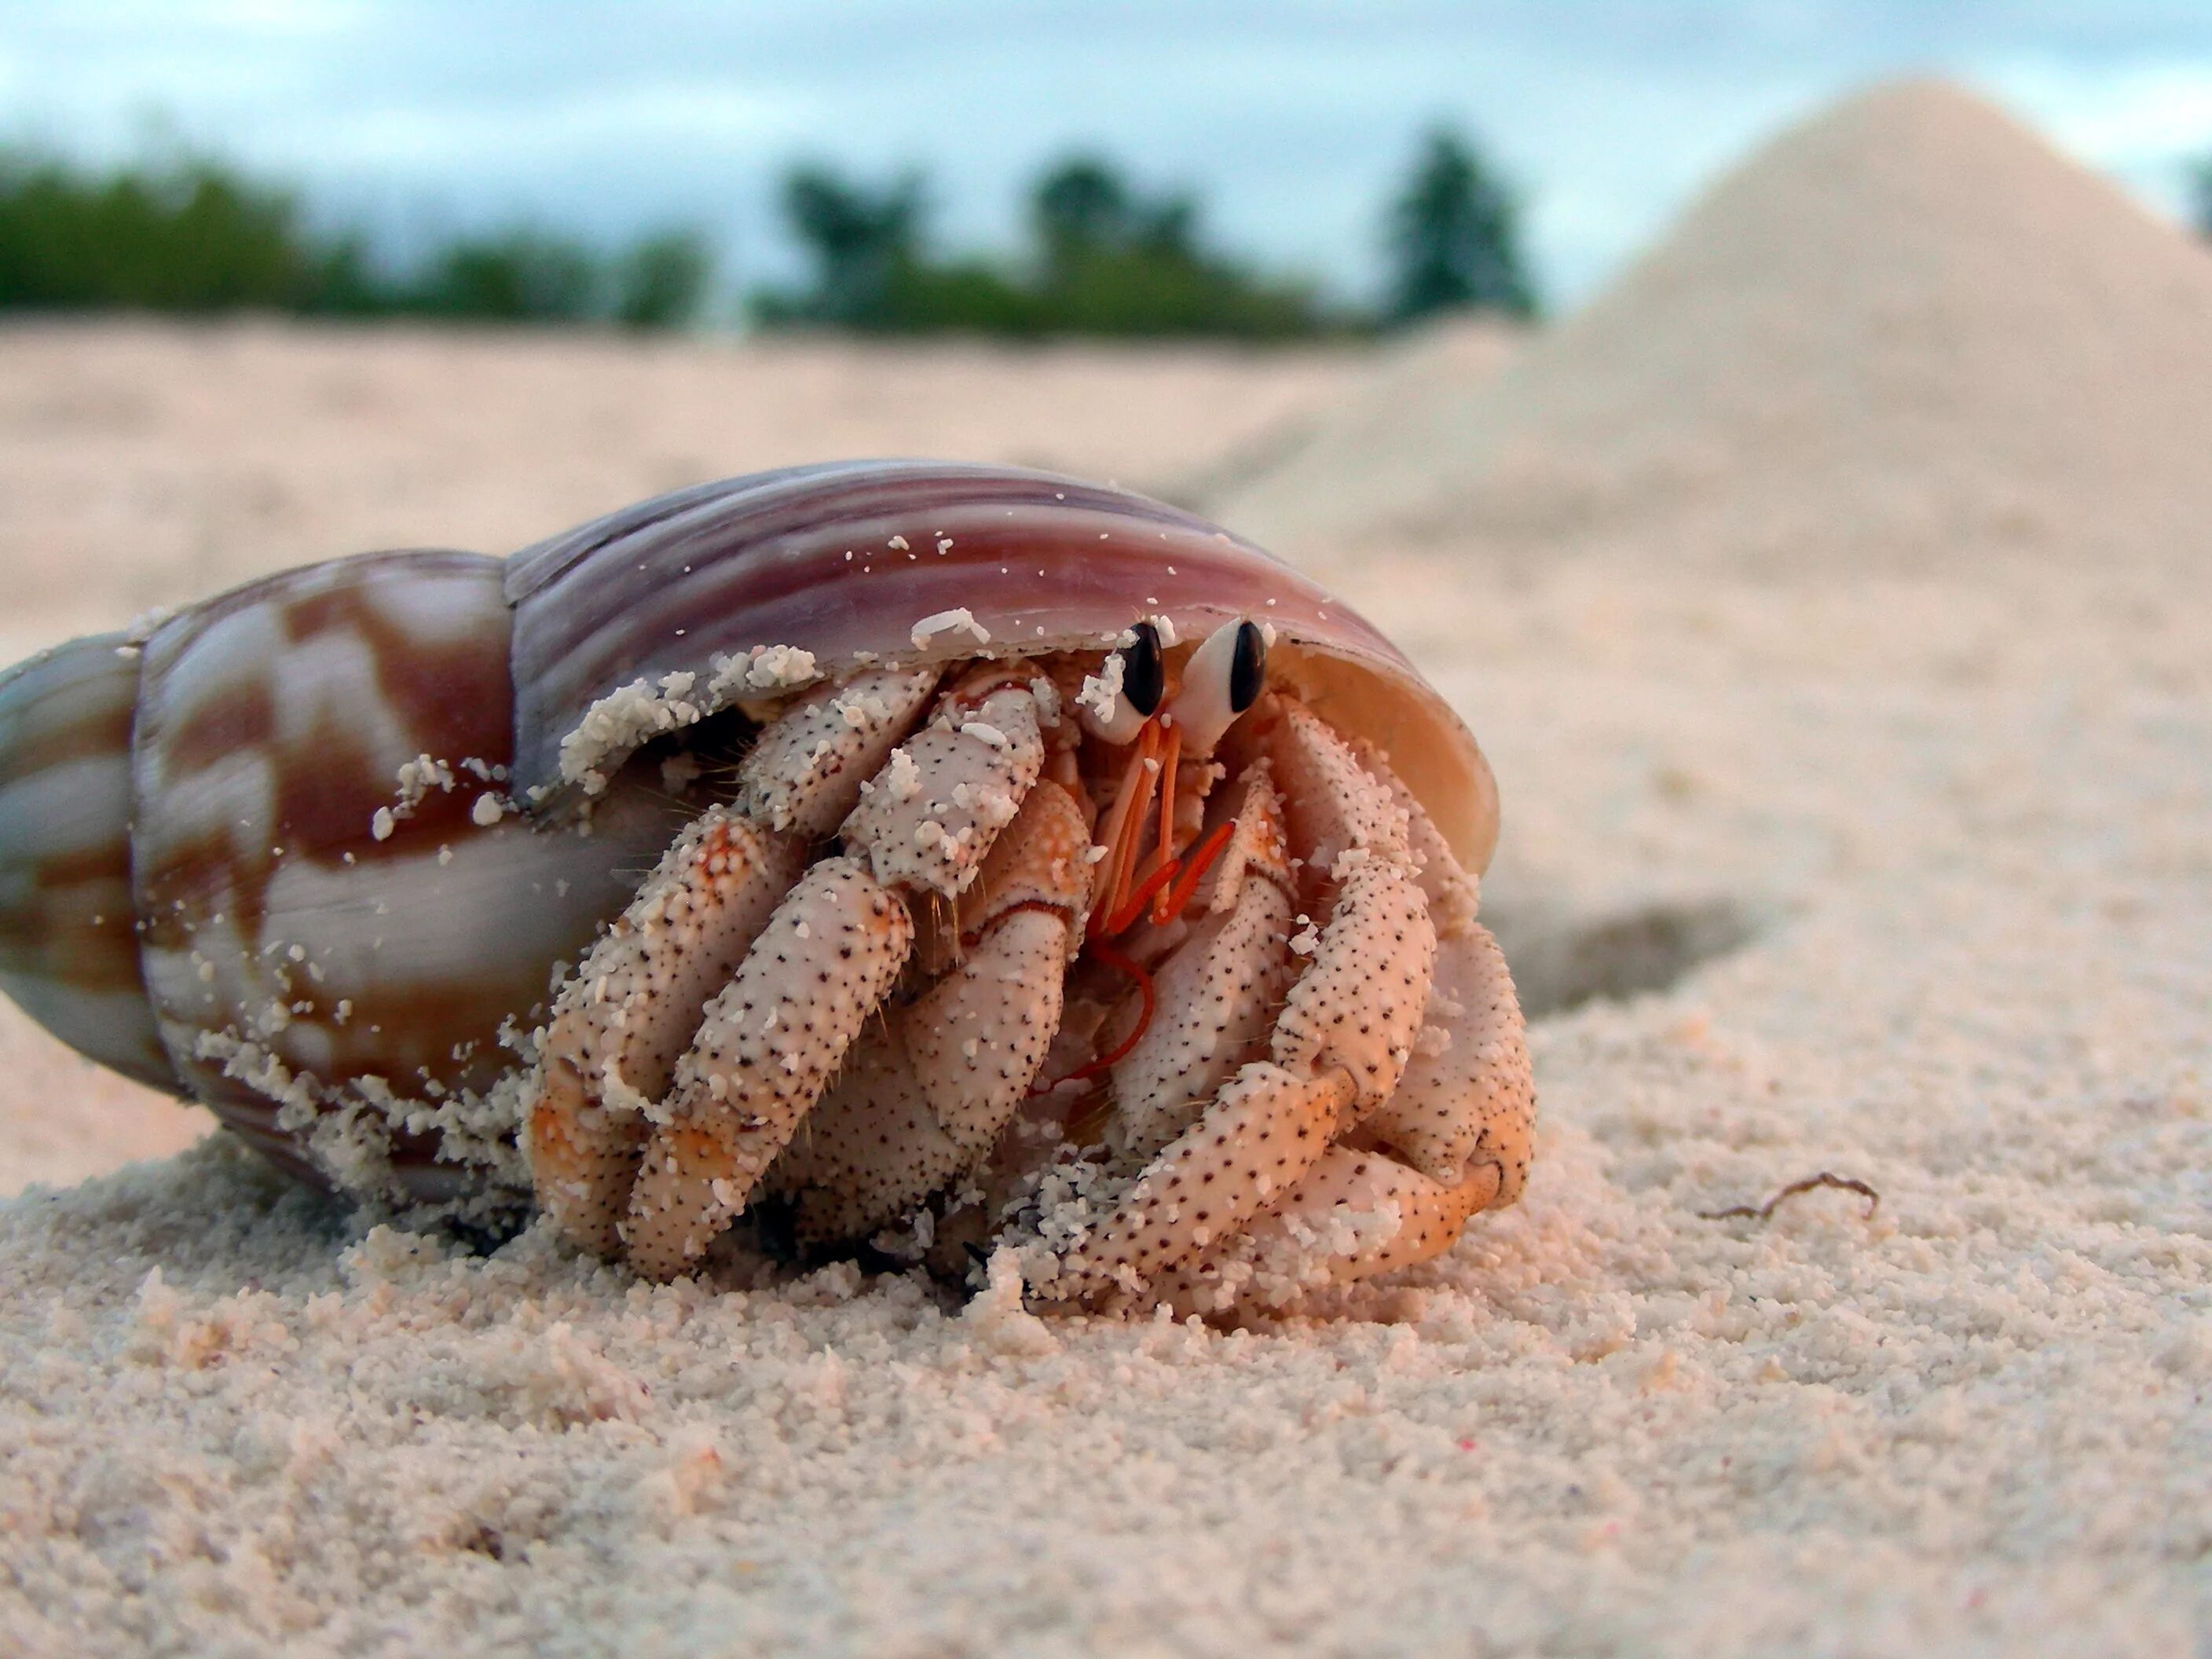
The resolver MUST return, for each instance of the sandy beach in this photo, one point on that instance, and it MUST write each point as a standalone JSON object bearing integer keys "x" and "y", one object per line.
{"x": 1822, "y": 853}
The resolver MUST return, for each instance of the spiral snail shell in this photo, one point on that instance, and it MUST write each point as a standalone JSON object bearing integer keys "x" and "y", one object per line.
{"x": 316, "y": 851}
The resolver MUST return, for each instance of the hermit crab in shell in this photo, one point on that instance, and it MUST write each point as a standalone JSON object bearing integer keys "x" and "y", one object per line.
{"x": 940, "y": 858}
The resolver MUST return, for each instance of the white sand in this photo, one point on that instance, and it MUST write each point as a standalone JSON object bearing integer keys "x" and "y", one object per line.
{"x": 1962, "y": 808}
{"x": 1907, "y": 332}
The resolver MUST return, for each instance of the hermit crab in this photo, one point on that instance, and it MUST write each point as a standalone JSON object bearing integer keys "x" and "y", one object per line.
{"x": 938, "y": 860}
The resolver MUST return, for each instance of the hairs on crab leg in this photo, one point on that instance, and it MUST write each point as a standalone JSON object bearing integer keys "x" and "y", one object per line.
{"x": 769, "y": 1044}
{"x": 632, "y": 1007}
{"x": 1338, "y": 1048}
{"x": 888, "y": 1134}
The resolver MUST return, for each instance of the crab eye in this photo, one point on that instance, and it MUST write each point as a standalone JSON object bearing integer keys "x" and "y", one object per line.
{"x": 1116, "y": 702}
{"x": 1223, "y": 678}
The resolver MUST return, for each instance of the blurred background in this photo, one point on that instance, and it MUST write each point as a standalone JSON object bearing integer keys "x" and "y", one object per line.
{"x": 1268, "y": 172}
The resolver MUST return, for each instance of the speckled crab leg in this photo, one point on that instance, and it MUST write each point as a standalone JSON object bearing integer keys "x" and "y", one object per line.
{"x": 769, "y": 1043}
{"x": 1338, "y": 1048}
{"x": 630, "y": 1011}
{"x": 1217, "y": 992}
{"x": 1452, "y": 1140}
{"x": 934, "y": 1087}
{"x": 626, "y": 1014}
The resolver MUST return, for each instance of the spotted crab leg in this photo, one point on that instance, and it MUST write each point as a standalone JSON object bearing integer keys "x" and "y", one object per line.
{"x": 770, "y": 1043}
{"x": 935, "y": 1085}
{"x": 1338, "y": 1048}
{"x": 1452, "y": 1140}
{"x": 611, "y": 1049}
{"x": 608, "y": 1054}
{"x": 1218, "y": 989}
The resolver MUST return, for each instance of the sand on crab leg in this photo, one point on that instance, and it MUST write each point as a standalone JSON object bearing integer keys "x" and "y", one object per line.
{"x": 632, "y": 1008}
{"x": 1452, "y": 1140}
{"x": 928, "y": 1092}
{"x": 769, "y": 1044}
{"x": 1338, "y": 1048}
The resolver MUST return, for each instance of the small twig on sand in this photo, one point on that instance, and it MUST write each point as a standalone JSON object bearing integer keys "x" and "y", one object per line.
{"x": 1765, "y": 1212}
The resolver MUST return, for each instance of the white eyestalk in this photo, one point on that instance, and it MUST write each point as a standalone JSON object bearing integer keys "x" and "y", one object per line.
{"x": 1223, "y": 678}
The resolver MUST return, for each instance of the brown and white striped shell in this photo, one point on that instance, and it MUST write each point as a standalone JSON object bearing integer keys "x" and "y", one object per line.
{"x": 306, "y": 850}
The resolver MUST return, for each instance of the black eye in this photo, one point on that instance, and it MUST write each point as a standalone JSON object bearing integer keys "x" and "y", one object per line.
{"x": 1248, "y": 669}
{"x": 1223, "y": 678}
{"x": 1127, "y": 690}
{"x": 1144, "y": 673}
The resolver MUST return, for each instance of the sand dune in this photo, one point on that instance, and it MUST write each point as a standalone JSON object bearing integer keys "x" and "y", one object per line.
{"x": 1907, "y": 332}
{"x": 1905, "y": 856}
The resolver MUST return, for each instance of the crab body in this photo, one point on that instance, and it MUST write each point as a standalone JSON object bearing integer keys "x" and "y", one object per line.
{"x": 926, "y": 849}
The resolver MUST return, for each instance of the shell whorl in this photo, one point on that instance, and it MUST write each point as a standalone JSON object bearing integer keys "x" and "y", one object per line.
{"x": 313, "y": 938}
{"x": 68, "y": 945}
{"x": 750, "y": 586}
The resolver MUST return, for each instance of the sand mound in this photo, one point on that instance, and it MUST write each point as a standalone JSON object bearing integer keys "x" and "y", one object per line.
{"x": 1906, "y": 328}
{"x": 1449, "y": 355}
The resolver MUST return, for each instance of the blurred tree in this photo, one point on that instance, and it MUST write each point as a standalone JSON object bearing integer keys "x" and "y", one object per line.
{"x": 1453, "y": 238}
{"x": 188, "y": 234}
{"x": 2200, "y": 196}
{"x": 1083, "y": 207}
{"x": 180, "y": 234}
{"x": 520, "y": 274}
{"x": 662, "y": 281}
{"x": 1112, "y": 261}
{"x": 1107, "y": 260}
{"x": 864, "y": 245}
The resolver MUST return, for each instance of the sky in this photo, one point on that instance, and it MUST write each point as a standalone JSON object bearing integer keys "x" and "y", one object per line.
{"x": 1292, "y": 121}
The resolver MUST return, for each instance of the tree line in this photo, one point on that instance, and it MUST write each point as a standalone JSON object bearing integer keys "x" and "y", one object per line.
{"x": 1104, "y": 257}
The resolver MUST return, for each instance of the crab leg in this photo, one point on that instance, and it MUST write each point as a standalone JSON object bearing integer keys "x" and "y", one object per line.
{"x": 631, "y": 1009}
{"x": 1452, "y": 1140}
{"x": 1337, "y": 1050}
{"x": 932, "y": 1090}
{"x": 771, "y": 1042}
{"x": 1468, "y": 1102}
{"x": 1355, "y": 1214}
{"x": 1216, "y": 993}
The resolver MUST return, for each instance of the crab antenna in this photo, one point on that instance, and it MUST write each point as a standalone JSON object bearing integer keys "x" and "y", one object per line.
{"x": 1223, "y": 678}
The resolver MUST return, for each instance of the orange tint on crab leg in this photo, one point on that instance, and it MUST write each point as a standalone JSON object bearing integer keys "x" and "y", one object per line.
{"x": 1148, "y": 782}
{"x": 1168, "y": 788}
{"x": 1173, "y": 902}
{"x": 1125, "y": 918}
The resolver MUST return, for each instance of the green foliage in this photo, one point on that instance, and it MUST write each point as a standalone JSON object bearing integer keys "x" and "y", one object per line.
{"x": 662, "y": 281}
{"x": 2200, "y": 196}
{"x": 863, "y": 245}
{"x": 1104, "y": 261}
{"x": 184, "y": 236}
{"x": 1453, "y": 238}
{"x": 1105, "y": 258}
{"x": 518, "y": 275}
{"x": 191, "y": 235}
